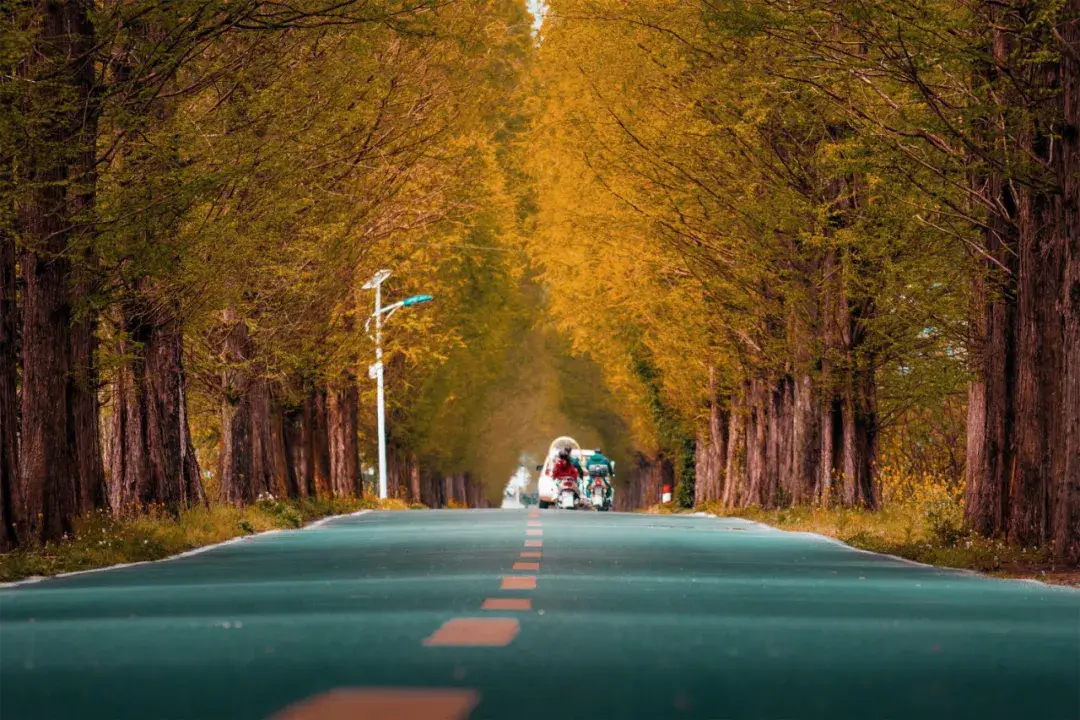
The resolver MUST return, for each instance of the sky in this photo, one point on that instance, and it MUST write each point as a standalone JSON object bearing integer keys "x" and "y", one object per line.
{"x": 537, "y": 8}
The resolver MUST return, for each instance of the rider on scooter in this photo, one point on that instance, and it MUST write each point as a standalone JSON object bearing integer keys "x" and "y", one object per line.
{"x": 602, "y": 467}
{"x": 567, "y": 466}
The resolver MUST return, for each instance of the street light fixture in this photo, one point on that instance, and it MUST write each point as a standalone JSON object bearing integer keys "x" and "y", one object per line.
{"x": 375, "y": 371}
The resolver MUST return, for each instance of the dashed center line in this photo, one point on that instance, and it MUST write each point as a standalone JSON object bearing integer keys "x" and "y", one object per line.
{"x": 518, "y": 582}
{"x": 507, "y": 604}
{"x": 475, "y": 632}
{"x": 384, "y": 704}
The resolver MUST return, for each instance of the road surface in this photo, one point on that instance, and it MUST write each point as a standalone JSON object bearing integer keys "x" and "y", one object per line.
{"x": 631, "y": 616}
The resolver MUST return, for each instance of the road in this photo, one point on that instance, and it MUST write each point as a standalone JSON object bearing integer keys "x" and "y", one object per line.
{"x": 632, "y": 616}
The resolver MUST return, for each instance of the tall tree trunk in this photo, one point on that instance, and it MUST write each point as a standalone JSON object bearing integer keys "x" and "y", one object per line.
{"x": 779, "y": 459}
{"x": 83, "y": 382}
{"x": 297, "y": 437}
{"x": 268, "y": 472}
{"x": 320, "y": 437}
{"x": 702, "y": 469}
{"x": 343, "y": 425}
{"x": 860, "y": 439}
{"x": 712, "y": 447}
{"x": 237, "y": 452}
{"x": 460, "y": 492}
{"x": 735, "y": 467}
{"x": 1066, "y": 490}
{"x": 414, "y": 479}
{"x": 47, "y": 460}
{"x": 52, "y": 443}
{"x": 151, "y": 460}
{"x": 805, "y": 441}
{"x": 10, "y": 490}
{"x": 990, "y": 394}
{"x": 448, "y": 491}
{"x": 991, "y": 401}
{"x": 1039, "y": 336}
{"x": 283, "y": 486}
{"x": 757, "y": 443}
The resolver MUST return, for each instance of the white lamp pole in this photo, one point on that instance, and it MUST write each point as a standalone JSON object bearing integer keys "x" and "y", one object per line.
{"x": 376, "y": 370}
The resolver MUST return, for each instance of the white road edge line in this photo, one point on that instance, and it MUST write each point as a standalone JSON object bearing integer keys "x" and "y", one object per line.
{"x": 187, "y": 553}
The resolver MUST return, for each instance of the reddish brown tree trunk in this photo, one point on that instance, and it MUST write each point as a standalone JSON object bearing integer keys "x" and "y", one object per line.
{"x": 778, "y": 454}
{"x": 1039, "y": 334}
{"x": 860, "y": 440}
{"x": 151, "y": 460}
{"x": 47, "y": 460}
{"x": 297, "y": 435}
{"x": 343, "y": 424}
{"x": 270, "y": 472}
{"x": 84, "y": 378}
{"x": 1066, "y": 489}
{"x": 460, "y": 492}
{"x": 991, "y": 393}
{"x": 283, "y": 486}
{"x": 237, "y": 456}
{"x": 832, "y": 444}
{"x": 805, "y": 441}
{"x": 712, "y": 448}
{"x": 702, "y": 469}
{"x": 735, "y": 467}
{"x": 757, "y": 444}
{"x": 85, "y": 412}
{"x": 10, "y": 494}
{"x": 448, "y": 491}
{"x": 414, "y": 480}
{"x": 58, "y": 185}
{"x": 320, "y": 437}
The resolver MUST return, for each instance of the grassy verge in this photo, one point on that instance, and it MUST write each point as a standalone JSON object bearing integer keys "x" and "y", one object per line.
{"x": 100, "y": 540}
{"x": 909, "y": 531}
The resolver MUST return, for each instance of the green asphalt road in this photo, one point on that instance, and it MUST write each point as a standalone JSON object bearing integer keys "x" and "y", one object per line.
{"x": 634, "y": 616}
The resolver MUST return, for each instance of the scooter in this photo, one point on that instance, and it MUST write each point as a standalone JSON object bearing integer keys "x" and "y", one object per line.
{"x": 598, "y": 498}
{"x": 569, "y": 494}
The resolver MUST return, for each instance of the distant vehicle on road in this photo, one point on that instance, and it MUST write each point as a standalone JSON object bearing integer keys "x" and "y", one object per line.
{"x": 561, "y": 492}
{"x": 549, "y": 486}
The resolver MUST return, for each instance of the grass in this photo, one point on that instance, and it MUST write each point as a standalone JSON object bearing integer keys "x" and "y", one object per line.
{"x": 916, "y": 532}
{"x": 100, "y": 540}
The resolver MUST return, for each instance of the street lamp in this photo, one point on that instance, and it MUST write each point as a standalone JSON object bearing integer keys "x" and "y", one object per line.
{"x": 375, "y": 372}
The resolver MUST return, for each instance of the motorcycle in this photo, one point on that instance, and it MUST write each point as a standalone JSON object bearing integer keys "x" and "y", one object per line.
{"x": 569, "y": 494}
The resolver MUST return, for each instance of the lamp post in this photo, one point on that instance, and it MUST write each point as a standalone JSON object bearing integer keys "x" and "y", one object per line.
{"x": 376, "y": 371}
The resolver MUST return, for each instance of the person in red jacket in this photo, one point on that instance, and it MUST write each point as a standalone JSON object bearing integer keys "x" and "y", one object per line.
{"x": 566, "y": 466}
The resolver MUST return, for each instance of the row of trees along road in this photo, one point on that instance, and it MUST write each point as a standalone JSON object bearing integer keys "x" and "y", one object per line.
{"x": 817, "y": 223}
{"x": 779, "y": 239}
{"x": 191, "y": 194}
